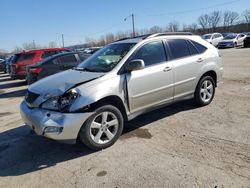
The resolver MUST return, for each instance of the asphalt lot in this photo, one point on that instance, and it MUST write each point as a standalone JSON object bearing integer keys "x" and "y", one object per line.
{"x": 176, "y": 146}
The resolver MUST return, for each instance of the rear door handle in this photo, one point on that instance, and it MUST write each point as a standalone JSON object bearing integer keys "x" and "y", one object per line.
{"x": 166, "y": 69}
{"x": 199, "y": 60}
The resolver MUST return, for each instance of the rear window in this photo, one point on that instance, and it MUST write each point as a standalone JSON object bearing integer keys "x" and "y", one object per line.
{"x": 25, "y": 57}
{"x": 201, "y": 49}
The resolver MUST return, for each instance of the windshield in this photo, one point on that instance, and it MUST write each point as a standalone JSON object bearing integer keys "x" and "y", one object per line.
{"x": 230, "y": 37}
{"x": 207, "y": 36}
{"x": 106, "y": 59}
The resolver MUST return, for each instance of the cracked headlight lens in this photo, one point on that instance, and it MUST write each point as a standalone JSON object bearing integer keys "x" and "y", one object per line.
{"x": 61, "y": 103}
{"x": 51, "y": 104}
{"x": 68, "y": 98}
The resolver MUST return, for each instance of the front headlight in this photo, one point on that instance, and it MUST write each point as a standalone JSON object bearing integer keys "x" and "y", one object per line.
{"x": 61, "y": 103}
{"x": 51, "y": 104}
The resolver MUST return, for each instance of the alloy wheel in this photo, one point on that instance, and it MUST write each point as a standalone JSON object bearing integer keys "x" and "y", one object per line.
{"x": 104, "y": 127}
{"x": 207, "y": 91}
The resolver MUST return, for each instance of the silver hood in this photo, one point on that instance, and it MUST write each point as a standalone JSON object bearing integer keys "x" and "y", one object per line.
{"x": 57, "y": 84}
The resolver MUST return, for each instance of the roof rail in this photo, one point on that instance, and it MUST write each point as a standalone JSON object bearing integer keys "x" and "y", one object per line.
{"x": 146, "y": 36}
{"x": 169, "y": 33}
{"x": 122, "y": 39}
{"x": 140, "y": 36}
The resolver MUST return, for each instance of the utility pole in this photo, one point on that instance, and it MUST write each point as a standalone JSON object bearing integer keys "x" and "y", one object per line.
{"x": 63, "y": 40}
{"x": 34, "y": 44}
{"x": 133, "y": 22}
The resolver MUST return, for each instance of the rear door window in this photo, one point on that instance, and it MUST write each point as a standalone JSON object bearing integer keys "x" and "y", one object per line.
{"x": 67, "y": 59}
{"x": 179, "y": 48}
{"x": 151, "y": 53}
{"x": 25, "y": 57}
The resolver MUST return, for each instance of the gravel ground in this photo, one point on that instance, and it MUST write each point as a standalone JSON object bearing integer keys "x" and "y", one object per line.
{"x": 176, "y": 146}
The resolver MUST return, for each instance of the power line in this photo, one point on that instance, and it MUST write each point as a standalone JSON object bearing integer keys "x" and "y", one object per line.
{"x": 195, "y": 10}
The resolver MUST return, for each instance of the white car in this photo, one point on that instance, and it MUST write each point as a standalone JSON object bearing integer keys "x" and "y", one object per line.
{"x": 232, "y": 40}
{"x": 213, "y": 38}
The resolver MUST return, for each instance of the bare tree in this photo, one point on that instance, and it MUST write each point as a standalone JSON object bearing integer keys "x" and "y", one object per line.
{"x": 229, "y": 19}
{"x": 155, "y": 29}
{"x": 193, "y": 27}
{"x": 31, "y": 46}
{"x": 17, "y": 49}
{"x": 120, "y": 35}
{"x": 226, "y": 19}
{"x": 203, "y": 21}
{"x": 173, "y": 26}
{"x": 233, "y": 17}
{"x": 109, "y": 38}
{"x": 214, "y": 19}
{"x": 246, "y": 15}
{"x": 52, "y": 44}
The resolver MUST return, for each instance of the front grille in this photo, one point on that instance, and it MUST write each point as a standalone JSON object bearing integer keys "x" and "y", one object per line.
{"x": 31, "y": 97}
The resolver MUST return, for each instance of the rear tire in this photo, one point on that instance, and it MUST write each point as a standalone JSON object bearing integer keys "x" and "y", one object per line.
{"x": 205, "y": 91}
{"x": 103, "y": 128}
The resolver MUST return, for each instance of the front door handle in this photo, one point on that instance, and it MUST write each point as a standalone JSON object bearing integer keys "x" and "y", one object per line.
{"x": 199, "y": 60}
{"x": 166, "y": 69}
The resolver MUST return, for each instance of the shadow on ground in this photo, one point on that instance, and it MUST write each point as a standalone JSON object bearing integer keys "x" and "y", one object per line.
{"x": 5, "y": 93}
{"x": 11, "y": 85}
{"x": 18, "y": 93}
{"x": 22, "y": 152}
{"x": 2, "y": 75}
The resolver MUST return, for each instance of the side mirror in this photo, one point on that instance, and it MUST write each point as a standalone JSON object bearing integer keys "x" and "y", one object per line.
{"x": 136, "y": 64}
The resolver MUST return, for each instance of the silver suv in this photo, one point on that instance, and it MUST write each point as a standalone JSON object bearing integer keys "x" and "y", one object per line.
{"x": 119, "y": 82}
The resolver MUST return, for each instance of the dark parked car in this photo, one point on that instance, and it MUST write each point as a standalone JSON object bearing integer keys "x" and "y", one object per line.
{"x": 226, "y": 34}
{"x": 2, "y": 65}
{"x": 247, "y": 41}
{"x": 11, "y": 60}
{"x": 54, "y": 64}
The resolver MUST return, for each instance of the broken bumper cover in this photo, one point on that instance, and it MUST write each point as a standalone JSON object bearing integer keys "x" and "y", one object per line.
{"x": 63, "y": 127}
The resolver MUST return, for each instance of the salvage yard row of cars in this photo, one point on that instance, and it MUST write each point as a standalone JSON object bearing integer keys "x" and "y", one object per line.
{"x": 228, "y": 40}
{"x": 34, "y": 65}
{"x": 37, "y": 64}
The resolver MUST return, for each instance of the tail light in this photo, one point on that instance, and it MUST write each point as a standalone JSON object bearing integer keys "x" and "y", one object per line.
{"x": 36, "y": 70}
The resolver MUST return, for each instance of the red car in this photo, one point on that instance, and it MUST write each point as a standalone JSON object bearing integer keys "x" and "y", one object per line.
{"x": 18, "y": 69}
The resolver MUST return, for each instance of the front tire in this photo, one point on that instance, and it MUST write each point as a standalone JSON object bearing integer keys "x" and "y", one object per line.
{"x": 205, "y": 91}
{"x": 103, "y": 128}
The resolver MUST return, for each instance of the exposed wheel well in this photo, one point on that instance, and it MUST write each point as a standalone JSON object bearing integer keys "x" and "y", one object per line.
{"x": 112, "y": 100}
{"x": 212, "y": 74}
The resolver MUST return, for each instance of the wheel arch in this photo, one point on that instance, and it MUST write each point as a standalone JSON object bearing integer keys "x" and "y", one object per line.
{"x": 211, "y": 73}
{"x": 111, "y": 100}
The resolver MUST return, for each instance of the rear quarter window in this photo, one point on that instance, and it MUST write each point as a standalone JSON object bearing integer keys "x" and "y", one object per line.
{"x": 201, "y": 49}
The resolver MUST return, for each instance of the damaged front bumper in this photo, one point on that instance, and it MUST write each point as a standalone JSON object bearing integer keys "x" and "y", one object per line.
{"x": 63, "y": 127}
